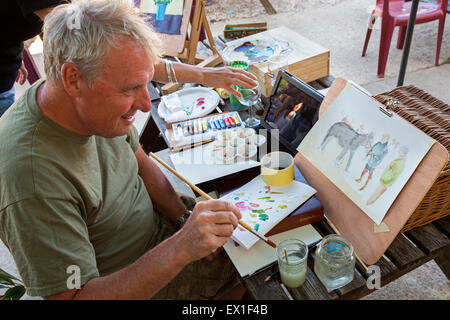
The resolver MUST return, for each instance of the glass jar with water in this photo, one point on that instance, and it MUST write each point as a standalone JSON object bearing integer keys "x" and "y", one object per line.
{"x": 334, "y": 261}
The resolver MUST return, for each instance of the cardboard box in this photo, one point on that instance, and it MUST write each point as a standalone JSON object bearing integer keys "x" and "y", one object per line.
{"x": 307, "y": 60}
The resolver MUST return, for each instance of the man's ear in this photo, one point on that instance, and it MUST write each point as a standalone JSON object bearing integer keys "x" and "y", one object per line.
{"x": 71, "y": 78}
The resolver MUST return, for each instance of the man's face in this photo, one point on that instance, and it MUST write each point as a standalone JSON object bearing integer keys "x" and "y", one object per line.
{"x": 108, "y": 107}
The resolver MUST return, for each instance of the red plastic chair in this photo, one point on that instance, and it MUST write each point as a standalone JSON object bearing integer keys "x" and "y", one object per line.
{"x": 396, "y": 13}
{"x": 30, "y": 65}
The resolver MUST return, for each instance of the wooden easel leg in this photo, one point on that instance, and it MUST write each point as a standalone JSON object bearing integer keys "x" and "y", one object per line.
{"x": 196, "y": 27}
{"x": 212, "y": 44}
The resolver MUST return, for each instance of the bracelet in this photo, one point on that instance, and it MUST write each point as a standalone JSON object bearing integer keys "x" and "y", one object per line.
{"x": 168, "y": 63}
{"x": 173, "y": 71}
{"x": 182, "y": 219}
{"x": 170, "y": 70}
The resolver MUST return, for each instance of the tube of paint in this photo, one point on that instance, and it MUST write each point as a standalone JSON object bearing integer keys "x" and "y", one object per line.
{"x": 236, "y": 119}
{"x": 222, "y": 123}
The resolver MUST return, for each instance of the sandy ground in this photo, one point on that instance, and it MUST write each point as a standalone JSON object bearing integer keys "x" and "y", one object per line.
{"x": 230, "y": 10}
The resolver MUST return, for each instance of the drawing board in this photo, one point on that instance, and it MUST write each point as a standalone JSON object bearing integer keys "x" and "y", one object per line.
{"x": 365, "y": 153}
{"x": 368, "y": 241}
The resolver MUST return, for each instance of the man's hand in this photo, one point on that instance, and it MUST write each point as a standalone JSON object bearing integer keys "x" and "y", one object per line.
{"x": 208, "y": 228}
{"x": 226, "y": 78}
{"x": 22, "y": 75}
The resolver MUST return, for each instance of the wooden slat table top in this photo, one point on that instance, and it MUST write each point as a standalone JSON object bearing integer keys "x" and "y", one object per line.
{"x": 428, "y": 238}
{"x": 407, "y": 252}
{"x": 403, "y": 253}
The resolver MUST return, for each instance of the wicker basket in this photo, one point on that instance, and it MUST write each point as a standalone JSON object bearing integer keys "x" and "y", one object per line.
{"x": 432, "y": 116}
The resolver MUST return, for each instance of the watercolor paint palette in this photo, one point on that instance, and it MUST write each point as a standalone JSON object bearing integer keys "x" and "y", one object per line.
{"x": 188, "y": 103}
{"x": 203, "y": 129}
{"x": 263, "y": 206}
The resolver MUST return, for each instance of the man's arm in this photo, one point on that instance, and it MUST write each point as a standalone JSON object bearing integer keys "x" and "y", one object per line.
{"x": 222, "y": 77}
{"x": 164, "y": 198}
{"x": 208, "y": 228}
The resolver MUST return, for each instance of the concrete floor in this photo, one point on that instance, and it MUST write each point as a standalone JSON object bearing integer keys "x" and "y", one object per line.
{"x": 341, "y": 26}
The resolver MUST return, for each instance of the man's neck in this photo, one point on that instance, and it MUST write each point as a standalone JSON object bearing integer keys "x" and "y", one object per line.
{"x": 56, "y": 105}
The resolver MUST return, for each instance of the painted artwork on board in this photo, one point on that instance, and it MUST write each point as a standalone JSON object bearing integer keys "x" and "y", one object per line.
{"x": 366, "y": 154}
{"x": 254, "y": 52}
{"x": 164, "y": 15}
{"x": 262, "y": 206}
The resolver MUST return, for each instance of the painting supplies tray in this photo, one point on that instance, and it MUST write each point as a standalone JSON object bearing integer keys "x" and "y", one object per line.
{"x": 206, "y": 128}
{"x": 234, "y": 31}
{"x": 188, "y": 103}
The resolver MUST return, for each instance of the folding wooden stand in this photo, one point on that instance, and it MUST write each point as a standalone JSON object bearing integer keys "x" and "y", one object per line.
{"x": 349, "y": 219}
{"x": 188, "y": 51}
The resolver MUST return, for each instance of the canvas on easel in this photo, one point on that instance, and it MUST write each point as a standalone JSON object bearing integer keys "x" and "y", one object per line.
{"x": 370, "y": 239}
{"x": 172, "y": 42}
{"x": 184, "y": 45}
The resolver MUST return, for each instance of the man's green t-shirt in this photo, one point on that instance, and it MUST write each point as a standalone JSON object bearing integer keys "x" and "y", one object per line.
{"x": 67, "y": 200}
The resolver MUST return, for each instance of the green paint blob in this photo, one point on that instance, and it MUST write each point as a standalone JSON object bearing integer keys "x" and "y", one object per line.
{"x": 258, "y": 211}
{"x": 264, "y": 198}
{"x": 236, "y": 198}
{"x": 256, "y": 227}
{"x": 263, "y": 217}
{"x": 270, "y": 200}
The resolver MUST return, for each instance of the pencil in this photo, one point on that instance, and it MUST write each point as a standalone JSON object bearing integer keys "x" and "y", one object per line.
{"x": 207, "y": 197}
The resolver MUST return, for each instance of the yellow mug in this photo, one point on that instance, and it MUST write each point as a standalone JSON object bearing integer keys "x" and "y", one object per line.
{"x": 277, "y": 168}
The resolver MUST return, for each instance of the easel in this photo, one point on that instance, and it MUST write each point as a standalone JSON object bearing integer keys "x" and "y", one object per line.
{"x": 189, "y": 51}
{"x": 344, "y": 214}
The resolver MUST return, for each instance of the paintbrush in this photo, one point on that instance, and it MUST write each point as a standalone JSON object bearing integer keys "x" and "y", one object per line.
{"x": 207, "y": 197}
{"x": 192, "y": 145}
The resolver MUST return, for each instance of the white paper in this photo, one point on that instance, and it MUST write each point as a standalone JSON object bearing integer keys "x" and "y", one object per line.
{"x": 199, "y": 165}
{"x": 261, "y": 254}
{"x": 263, "y": 206}
{"x": 368, "y": 155}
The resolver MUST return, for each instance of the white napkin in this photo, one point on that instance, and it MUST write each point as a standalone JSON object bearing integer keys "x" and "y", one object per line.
{"x": 173, "y": 102}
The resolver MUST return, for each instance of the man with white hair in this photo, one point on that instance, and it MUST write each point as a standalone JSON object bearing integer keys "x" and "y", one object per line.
{"x": 79, "y": 193}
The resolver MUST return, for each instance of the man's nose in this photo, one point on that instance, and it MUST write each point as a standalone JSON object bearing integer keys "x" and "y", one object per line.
{"x": 143, "y": 102}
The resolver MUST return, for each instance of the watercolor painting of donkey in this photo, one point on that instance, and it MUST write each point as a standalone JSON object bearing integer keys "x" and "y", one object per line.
{"x": 347, "y": 138}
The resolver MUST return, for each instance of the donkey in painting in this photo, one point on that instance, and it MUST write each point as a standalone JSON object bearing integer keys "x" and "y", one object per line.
{"x": 348, "y": 138}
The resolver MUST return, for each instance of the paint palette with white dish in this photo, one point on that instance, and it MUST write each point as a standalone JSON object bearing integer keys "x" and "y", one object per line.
{"x": 214, "y": 127}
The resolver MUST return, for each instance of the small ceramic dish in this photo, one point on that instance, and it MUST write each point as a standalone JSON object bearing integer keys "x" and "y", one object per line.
{"x": 219, "y": 144}
{"x": 245, "y": 132}
{"x": 247, "y": 151}
{"x": 225, "y": 155}
{"x": 226, "y": 135}
{"x": 256, "y": 140}
{"x": 235, "y": 142}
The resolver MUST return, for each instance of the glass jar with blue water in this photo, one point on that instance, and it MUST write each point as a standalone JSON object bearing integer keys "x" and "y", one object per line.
{"x": 334, "y": 261}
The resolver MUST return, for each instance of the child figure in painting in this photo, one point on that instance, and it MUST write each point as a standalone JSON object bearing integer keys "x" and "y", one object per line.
{"x": 376, "y": 154}
{"x": 390, "y": 174}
